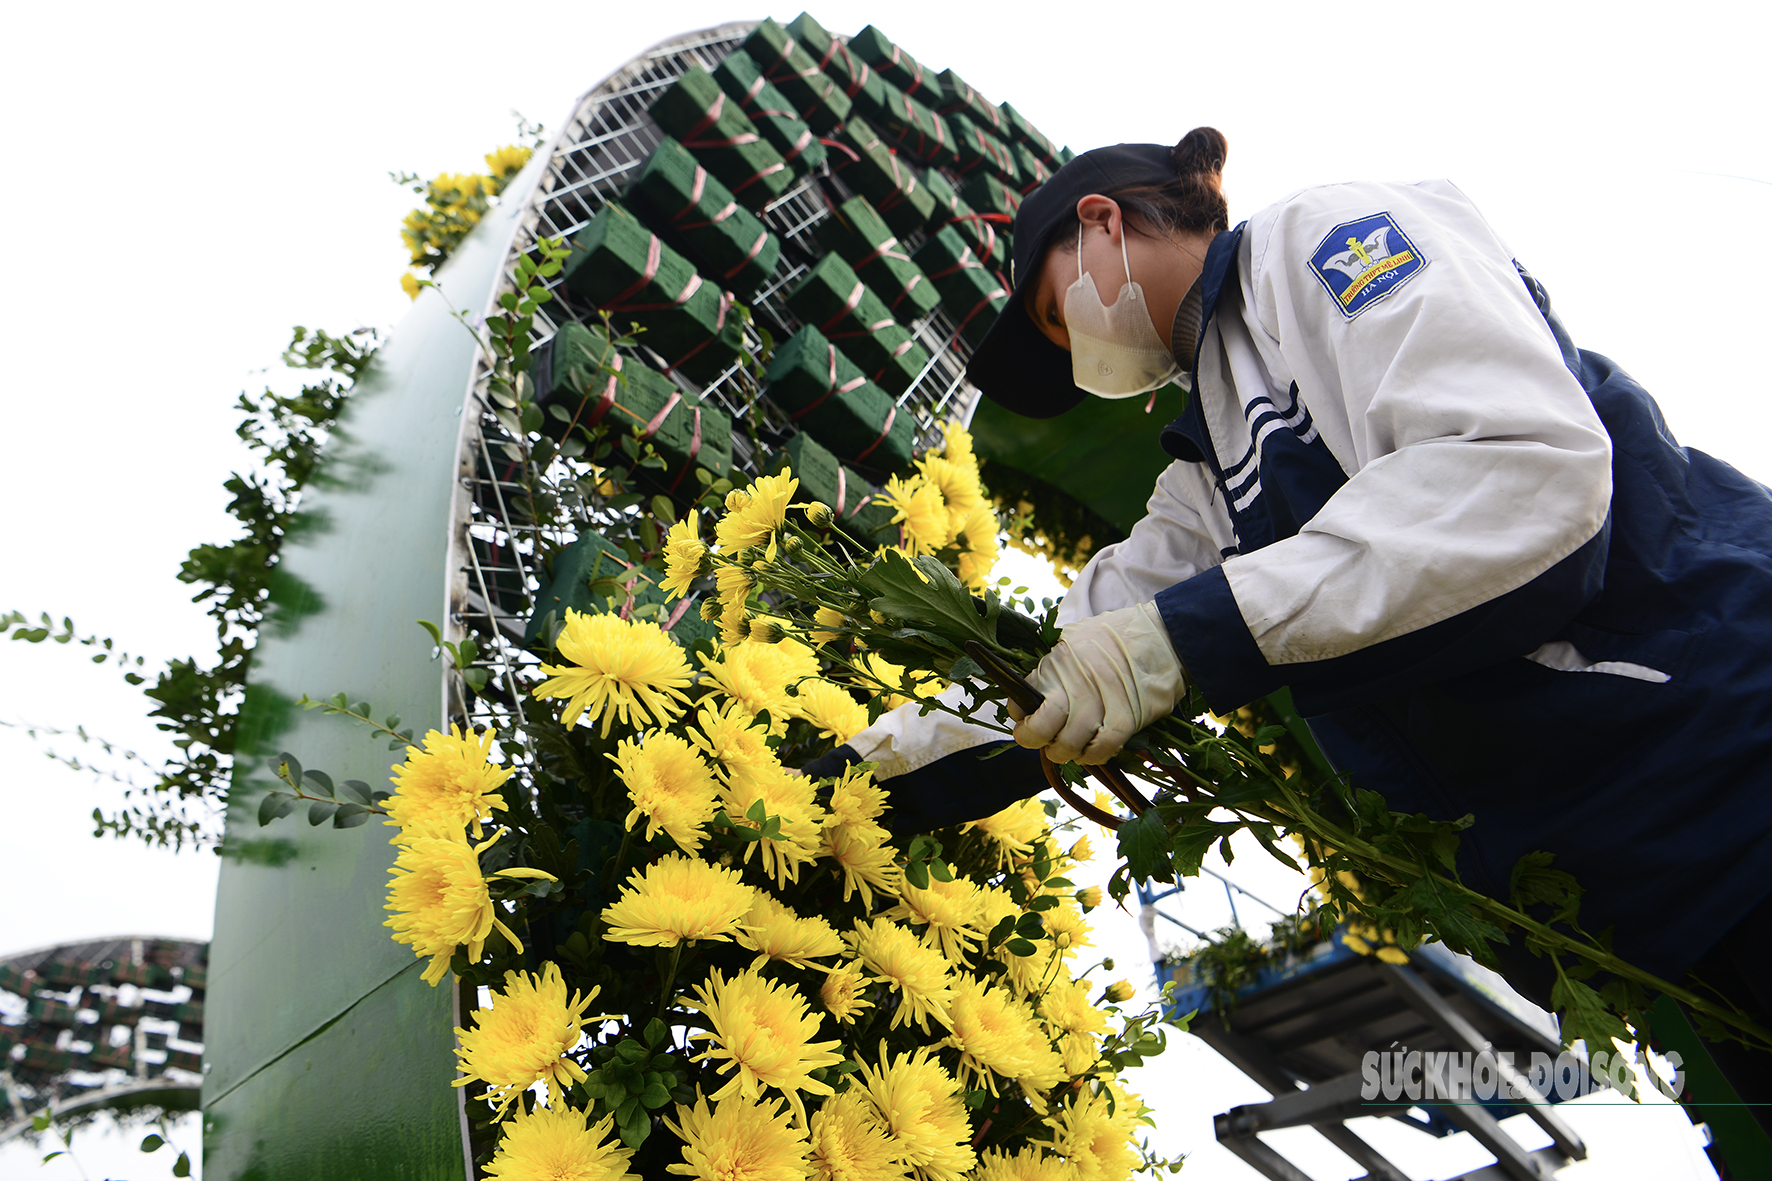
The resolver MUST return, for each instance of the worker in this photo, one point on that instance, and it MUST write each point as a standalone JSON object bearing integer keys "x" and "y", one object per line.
{"x": 1493, "y": 582}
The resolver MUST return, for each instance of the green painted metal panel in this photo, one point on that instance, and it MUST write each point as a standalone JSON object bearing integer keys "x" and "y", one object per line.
{"x": 299, "y": 942}
{"x": 1104, "y": 453}
{"x": 358, "y": 1099}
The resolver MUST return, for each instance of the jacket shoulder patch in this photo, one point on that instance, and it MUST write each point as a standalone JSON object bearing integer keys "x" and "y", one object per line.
{"x": 1360, "y": 262}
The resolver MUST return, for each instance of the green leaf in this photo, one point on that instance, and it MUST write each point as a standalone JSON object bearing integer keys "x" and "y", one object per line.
{"x": 358, "y": 790}
{"x": 289, "y": 766}
{"x": 1535, "y": 883}
{"x": 152, "y": 1143}
{"x": 474, "y": 678}
{"x": 1019, "y": 947}
{"x": 1144, "y": 844}
{"x": 267, "y": 807}
{"x": 664, "y": 510}
{"x": 320, "y": 811}
{"x": 435, "y": 632}
{"x": 182, "y": 1166}
{"x": 940, "y": 604}
{"x": 938, "y": 869}
{"x": 917, "y": 874}
{"x": 321, "y": 780}
{"x": 1583, "y": 1015}
{"x": 351, "y": 815}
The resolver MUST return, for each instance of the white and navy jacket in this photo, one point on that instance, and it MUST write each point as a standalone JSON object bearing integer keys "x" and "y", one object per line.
{"x": 1492, "y": 580}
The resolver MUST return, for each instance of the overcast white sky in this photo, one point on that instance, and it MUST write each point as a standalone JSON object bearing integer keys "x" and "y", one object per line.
{"x": 188, "y": 181}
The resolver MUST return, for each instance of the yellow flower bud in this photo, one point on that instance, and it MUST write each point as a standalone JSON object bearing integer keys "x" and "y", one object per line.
{"x": 1089, "y": 897}
{"x": 819, "y": 515}
{"x": 1392, "y": 954}
{"x": 1082, "y": 850}
{"x": 710, "y": 610}
{"x": 737, "y": 500}
{"x": 1120, "y": 991}
{"x": 765, "y": 631}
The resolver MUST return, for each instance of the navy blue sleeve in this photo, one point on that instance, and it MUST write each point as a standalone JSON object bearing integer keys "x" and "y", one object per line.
{"x": 1221, "y": 657}
{"x": 963, "y": 786}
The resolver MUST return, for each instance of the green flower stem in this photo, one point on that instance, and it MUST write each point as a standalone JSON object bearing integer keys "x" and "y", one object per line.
{"x": 669, "y": 991}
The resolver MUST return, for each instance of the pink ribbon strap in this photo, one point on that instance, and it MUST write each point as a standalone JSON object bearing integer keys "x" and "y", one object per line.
{"x": 884, "y": 431}
{"x": 849, "y": 306}
{"x": 712, "y": 116}
{"x": 831, "y": 388}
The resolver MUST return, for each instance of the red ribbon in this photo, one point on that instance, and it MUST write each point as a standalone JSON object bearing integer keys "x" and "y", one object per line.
{"x": 694, "y": 140}
{"x": 766, "y": 170}
{"x": 603, "y": 403}
{"x": 719, "y": 326}
{"x": 849, "y": 306}
{"x": 756, "y": 249}
{"x": 884, "y": 431}
{"x": 830, "y": 388}
{"x": 883, "y": 250}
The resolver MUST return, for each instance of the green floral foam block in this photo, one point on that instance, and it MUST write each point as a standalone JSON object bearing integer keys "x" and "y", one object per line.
{"x": 700, "y": 116}
{"x": 619, "y": 266}
{"x": 891, "y": 185}
{"x": 828, "y": 395}
{"x": 787, "y": 64}
{"x": 694, "y": 212}
{"x": 833, "y": 298}
{"x": 861, "y": 237}
{"x": 743, "y": 80}
{"x": 971, "y": 292}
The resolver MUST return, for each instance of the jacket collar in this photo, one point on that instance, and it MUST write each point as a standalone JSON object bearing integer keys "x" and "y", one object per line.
{"x": 1186, "y": 437}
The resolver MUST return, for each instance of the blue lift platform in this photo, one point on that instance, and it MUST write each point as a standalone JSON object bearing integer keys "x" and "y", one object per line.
{"x": 1301, "y": 1030}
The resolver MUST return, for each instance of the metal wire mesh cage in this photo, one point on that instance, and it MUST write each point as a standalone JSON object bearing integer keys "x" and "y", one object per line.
{"x": 502, "y": 525}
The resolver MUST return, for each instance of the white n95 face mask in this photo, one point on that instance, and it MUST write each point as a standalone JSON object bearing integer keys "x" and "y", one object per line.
{"x": 1115, "y": 351}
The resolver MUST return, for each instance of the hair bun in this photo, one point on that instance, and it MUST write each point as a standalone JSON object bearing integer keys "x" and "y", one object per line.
{"x": 1201, "y": 150}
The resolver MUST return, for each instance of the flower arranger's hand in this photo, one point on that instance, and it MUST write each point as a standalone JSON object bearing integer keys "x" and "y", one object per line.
{"x": 1109, "y": 677}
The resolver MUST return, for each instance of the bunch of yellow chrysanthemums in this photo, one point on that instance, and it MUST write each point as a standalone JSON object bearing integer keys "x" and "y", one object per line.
{"x": 837, "y": 1001}
{"x": 454, "y": 204}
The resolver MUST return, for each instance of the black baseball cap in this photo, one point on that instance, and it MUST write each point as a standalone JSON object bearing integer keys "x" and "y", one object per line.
{"x": 1015, "y": 365}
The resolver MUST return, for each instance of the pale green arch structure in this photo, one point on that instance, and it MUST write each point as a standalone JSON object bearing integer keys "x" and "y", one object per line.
{"x": 326, "y": 1055}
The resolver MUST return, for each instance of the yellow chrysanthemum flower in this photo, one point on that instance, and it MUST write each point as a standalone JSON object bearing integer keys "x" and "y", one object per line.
{"x": 917, "y": 506}
{"x": 856, "y": 800}
{"x": 957, "y": 444}
{"x": 686, "y": 556}
{"x": 553, "y": 1144}
{"x": 1066, "y": 1006}
{"x": 732, "y": 741}
{"x": 1066, "y": 924}
{"x": 850, "y": 1142}
{"x": 507, "y": 161}
{"x": 739, "y": 1140}
{"x": 1099, "y": 1146}
{"x": 919, "y": 974}
{"x": 775, "y": 932}
{"x": 1013, "y": 831}
{"x": 832, "y": 625}
{"x": 440, "y": 900}
{"x": 409, "y": 284}
{"x": 867, "y": 862}
{"x": 1081, "y": 1051}
{"x": 763, "y": 1030}
{"x": 669, "y": 785}
{"x": 1030, "y": 1164}
{"x": 759, "y": 517}
{"x": 1081, "y": 850}
{"x": 948, "y": 909}
{"x": 450, "y": 783}
{"x": 958, "y": 485}
{"x": 829, "y": 707}
{"x": 620, "y": 669}
{"x": 998, "y": 1036}
{"x": 893, "y": 675}
{"x": 523, "y": 1038}
{"x": 757, "y": 675}
{"x": 976, "y": 535}
{"x": 1033, "y": 975}
{"x": 677, "y": 899}
{"x": 789, "y": 797}
{"x": 844, "y": 992}
{"x": 733, "y": 585}
{"x": 924, "y": 1113}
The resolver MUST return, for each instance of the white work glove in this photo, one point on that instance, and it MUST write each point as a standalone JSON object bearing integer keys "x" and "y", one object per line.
{"x": 1109, "y": 677}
